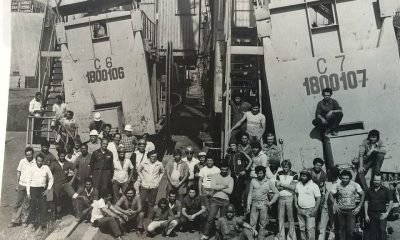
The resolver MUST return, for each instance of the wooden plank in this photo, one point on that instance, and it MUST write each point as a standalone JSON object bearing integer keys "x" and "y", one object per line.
{"x": 64, "y": 229}
{"x": 90, "y": 233}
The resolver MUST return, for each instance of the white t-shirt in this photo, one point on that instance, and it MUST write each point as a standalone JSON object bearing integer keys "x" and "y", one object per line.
{"x": 96, "y": 211}
{"x": 206, "y": 174}
{"x": 307, "y": 194}
{"x": 255, "y": 124}
{"x": 191, "y": 165}
{"x": 121, "y": 174}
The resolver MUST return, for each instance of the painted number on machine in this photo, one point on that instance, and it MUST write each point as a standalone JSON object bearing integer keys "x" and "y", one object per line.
{"x": 104, "y": 73}
{"x": 344, "y": 80}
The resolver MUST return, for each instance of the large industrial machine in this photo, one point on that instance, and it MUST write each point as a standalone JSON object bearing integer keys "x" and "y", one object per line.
{"x": 281, "y": 54}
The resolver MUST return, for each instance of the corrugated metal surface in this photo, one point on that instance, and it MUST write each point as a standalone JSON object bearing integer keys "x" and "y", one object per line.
{"x": 243, "y": 15}
{"x": 179, "y": 23}
{"x": 25, "y": 36}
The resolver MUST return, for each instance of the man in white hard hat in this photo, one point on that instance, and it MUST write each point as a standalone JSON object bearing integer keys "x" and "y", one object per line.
{"x": 97, "y": 124}
{"x": 129, "y": 141}
{"x": 94, "y": 143}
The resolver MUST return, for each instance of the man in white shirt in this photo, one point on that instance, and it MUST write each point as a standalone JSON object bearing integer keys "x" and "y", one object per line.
{"x": 123, "y": 172}
{"x": 39, "y": 184}
{"x": 191, "y": 162}
{"x": 21, "y": 207}
{"x": 36, "y": 110}
{"x": 150, "y": 174}
{"x": 307, "y": 201}
{"x": 255, "y": 123}
{"x": 59, "y": 108}
{"x": 149, "y": 145}
{"x": 138, "y": 157}
{"x": 205, "y": 176}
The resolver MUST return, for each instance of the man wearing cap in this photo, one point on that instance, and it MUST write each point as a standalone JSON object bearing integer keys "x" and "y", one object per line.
{"x": 102, "y": 168}
{"x": 191, "y": 162}
{"x": 94, "y": 143}
{"x": 97, "y": 124}
{"x": 307, "y": 201}
{"x": 129, "y": 141}
{"x": 202, "y": 163}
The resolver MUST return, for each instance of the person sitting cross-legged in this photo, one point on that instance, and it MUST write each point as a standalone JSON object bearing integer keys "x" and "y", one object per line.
{"x": 161, "y": 219}
{"x": 231, "y": 227}
{"x": 193, "y": 210}
{"x": 85, "y": 198}
{"x": 130, "y": 207}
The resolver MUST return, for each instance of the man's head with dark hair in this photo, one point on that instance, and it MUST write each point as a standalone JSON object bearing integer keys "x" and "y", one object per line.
{"x": 255, "y": 108}
{"x": 318, "y": 163}
{"x": 70, "y": 114}
{"x": 130, "y": 193}
{"x": 61, "y": 155}
{"x": 38, "y": 96}
{"x": 327, "y": 90}
{"x": 45, "y": 143}
{"x": 260, "y": 172}
{"x": 152, "y": 156}
{"x": 373, "y": 136}
{"x": 163, "y": 204}
{"x": 209, "y": 161}
{"x": 192, "y": 191}
{"x": 255, "y": 147}
{"x": 333, "y": 174}
{"x": 88, "y": 183}
{"x": 224, "y": 169}
{"x": 29, "y": 153}
{"x": 172, "y": 195}
{"x": 39, "y": 160}
{"x": 377, "y": 180}
{"x": 177, "y": 153}
{"x": 345, "y": 177}
{"x": 244, "y": 138}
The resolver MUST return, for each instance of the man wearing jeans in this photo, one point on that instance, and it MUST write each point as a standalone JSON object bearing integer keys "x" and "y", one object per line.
{"x": 344, "y": 197}
{"x": 222, "y": 184}
{"x": 150, "y": 172}
{"x": 21, "y": 209}
{"x": 257, "y": 199}
{"x": 286, "y": 184}
{"x": 307, "y": 200}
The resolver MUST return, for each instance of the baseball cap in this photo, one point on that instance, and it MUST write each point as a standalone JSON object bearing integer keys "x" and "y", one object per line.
{"x": 202, "y": 154}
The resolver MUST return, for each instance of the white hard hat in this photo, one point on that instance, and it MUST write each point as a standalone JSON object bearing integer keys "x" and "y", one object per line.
{"x": 93, "y": 133}
{"x": 202, "y": 154}
{"x": 97, "y": 116}
{"x": 128, "y": 128}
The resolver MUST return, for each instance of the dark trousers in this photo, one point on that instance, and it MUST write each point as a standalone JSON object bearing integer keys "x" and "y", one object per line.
{"x": 333, "y": 122}
{"x": 62, "y": 197}
{"x": 82, "y": 208}
{"x": 374, "y": 162}
{"x": 109, "y": 224}
{"x": 216, "y": 204}
{"x": 22, "y": 205}
{"x": 148, "y": 197}
{"x": 37, "y": 126}
{"x": 376, "y": 229}
{"x": 38, "y": 206}
{"x": 238, "y": 193}
{"x": 102, "y": 181}
{"x": 197, "y": 223}
{"x": 347, "y": 224}
{"x": 135, "y": 221}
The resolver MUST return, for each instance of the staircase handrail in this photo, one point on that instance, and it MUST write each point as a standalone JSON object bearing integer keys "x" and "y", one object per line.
{"x": 38, "y": 60}
{"x": 149, "y": 30}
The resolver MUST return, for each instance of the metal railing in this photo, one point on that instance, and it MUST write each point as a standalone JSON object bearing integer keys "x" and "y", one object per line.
{"x": 39, "y": 128}
{"x": 149, "y": 31}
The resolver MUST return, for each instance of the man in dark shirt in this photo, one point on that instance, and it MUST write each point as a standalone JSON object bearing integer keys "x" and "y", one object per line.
{"x": 317, "y": 174}
{"x": 161, "y": 218}
{"x": 86, "y": 195}
{"x": 328, "y": 114}
{"x": 62, "y": 186}
{"x": 193, "y": 210}
{"x": 239, "y": 164}
{"x": 82, "y": 170}
{"x": 48, "y": 156}
{"x": 102, "y": 168}
{"x": 376, "y": 210}
{"x": 238, "y": 108}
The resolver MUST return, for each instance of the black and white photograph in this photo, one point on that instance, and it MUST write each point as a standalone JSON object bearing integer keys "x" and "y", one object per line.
{"x": 200, "y": 120}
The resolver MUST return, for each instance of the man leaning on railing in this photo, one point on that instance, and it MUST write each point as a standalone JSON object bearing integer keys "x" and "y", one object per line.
{"x": 36, "y": 110}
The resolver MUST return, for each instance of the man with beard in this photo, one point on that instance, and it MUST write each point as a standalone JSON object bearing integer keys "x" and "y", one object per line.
{"x": 39, "y": 184}
{"x": 86, "y": 195}
{"x": 177, "y": 174}
{"x": 307, "y": 201}
{"x": 82, "y": 168}
{"x": 343, "y": 196}
{"x": 93, "y": 143}
{"x": 123, "y": 172}
{"x": 328, "y": 114}
{"x": 191, "y": 162}
{"x": 222, "y": 185}
{"x": 130, "y": 208}
{"x": 258, "y": 158}
{"x": 378, "y": 204}
{"x": 47, "y": 155}
{"x": 62, "y": 186}
{"x": 205, "y": 175}
{"x": 193, "y": 210}
{"x": 318, "y": 175}
{"x": 239, "y": 165}
{"x": 286, "y": 184}
{"x": 102, "y": 168}
{"x": 137, "y": 158}
{"x": 257, "y": 200}
{"x": 231, "y": 227}
{"x": 255, "y": 123}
